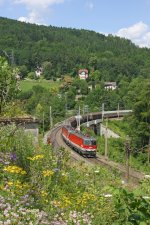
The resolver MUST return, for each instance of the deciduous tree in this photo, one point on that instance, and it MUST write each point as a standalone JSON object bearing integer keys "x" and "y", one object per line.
{"x": 8, "y": 83}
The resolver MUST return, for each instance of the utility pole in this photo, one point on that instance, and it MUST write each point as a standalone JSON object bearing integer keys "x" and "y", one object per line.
{"x": 106, "y": 140}
{"x": 86, "y": 110}
{"x": 66, "y": 108}
{"x": 100, "y": 129}
{"x": 83, "y": 109}
{"x": 102, "y": 112}
{"x": 43, "y": 124}
{"x": 149, "y": 151}
{"x": 79, "y": 118}
{"x": 12, "y": 58}
{"x": 128, "y": 151}
{"x": 118, "y": 110}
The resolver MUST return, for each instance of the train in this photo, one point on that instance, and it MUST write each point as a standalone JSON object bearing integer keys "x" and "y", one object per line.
{"x": 83, "y": 144}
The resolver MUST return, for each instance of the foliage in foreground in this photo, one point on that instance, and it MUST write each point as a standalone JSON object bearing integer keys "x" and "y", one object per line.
{"x": 48, "y": 189}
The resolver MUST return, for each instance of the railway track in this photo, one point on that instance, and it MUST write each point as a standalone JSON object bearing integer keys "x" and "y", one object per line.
{"x": 135, "y": 176}
{"x": 57, "y": 142}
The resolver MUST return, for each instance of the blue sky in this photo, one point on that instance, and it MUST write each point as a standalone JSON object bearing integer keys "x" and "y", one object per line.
{"x": 125, "y": 18}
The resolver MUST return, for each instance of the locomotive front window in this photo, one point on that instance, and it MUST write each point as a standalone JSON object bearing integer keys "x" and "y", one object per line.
{"x": 93, "y": 142}
{"x": 90, "y": 142}
{"x": 87, "y": 142}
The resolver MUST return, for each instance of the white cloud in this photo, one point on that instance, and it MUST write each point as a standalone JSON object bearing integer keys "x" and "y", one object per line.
{"x": 33, "y": 17}
{"x": 134, "y": 31}
{"x": 38, "y": 9}
{"x": 139, "y": 34}
{"x": 89, "y": 5}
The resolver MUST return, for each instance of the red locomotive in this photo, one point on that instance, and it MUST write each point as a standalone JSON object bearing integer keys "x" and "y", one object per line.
{"x": 81, "y": 143}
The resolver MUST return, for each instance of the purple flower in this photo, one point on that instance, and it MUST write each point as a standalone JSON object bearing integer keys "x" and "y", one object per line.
{"x": 13, "y": 156}
{"x": 1, "y": 160}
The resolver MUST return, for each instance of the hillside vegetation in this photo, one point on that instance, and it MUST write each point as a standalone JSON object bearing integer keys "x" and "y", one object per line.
{"x": 40, "y": 185}
{"x": 66, "y": 50}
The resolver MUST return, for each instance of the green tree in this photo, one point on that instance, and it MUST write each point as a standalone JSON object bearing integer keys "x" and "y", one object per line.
{"x": 93, "y": 62}
{"x": 31, "y": 75}
{"x": 140, "y": 121}
{"x": 96, "y": 75}
{"x": 39, "y": 110}
{"x": 81, "y": 86}
{"x": 23, "y": 71}
{"x": 8, "y": 83}
{"x": 47, "y": 70}
{"x": 70, "y": 99}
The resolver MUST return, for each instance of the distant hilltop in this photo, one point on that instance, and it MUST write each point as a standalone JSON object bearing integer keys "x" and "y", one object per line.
{"x": 63, "y": 51}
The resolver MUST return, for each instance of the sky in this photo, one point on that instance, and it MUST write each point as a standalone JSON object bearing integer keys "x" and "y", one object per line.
{"x": 125, "y": 18}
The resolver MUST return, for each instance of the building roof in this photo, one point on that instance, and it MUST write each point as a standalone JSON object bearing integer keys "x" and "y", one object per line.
{"x": 110, "y": 83}
{"x": 18, "y": 120}
{"x": 83, "y": 70}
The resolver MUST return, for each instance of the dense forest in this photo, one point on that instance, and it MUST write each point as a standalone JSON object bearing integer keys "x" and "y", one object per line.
{"x": 65, "y": 50}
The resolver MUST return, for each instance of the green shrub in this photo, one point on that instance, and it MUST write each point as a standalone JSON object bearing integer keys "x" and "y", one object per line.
{"x": 18, "y": 144}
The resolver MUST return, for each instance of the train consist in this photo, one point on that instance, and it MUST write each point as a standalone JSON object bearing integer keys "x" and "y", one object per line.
{"x": 81, "y": 143}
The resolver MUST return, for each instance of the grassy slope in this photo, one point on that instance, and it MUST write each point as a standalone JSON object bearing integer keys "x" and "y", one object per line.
{"x": 119, "y": 126}
{"x": 26, "y": 85}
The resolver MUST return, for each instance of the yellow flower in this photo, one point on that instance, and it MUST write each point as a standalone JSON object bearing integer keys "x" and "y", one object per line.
{"x": 85, "y": 198}
{"x": 44, "y": 193}
{"x": 48, "y": 173}
{"x": 17, "y": 185}
{"x": 10, "y": 183}
{"x": 65, "y": 202}
{"x": 88, "y": 196}
{"x": 26, "y": 185}
{"x": 23, "y": 172}
{"x": 36, "y": 157}
{"x": 30, "y": 158}
{"x": 1, "y": 187}
{"x": 56, "y": 203}
{"x": 14, "y": 169}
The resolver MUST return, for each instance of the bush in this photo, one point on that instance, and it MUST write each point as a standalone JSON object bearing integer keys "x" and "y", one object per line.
{"x": 18, "y": 144}
{"x": 31, "y": 75}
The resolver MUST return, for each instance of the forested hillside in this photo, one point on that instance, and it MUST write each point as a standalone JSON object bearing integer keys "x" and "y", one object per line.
{"x": 67, "y": 50}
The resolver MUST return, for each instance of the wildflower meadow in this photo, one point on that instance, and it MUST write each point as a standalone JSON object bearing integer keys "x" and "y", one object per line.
{"x": 40, "y": 185}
